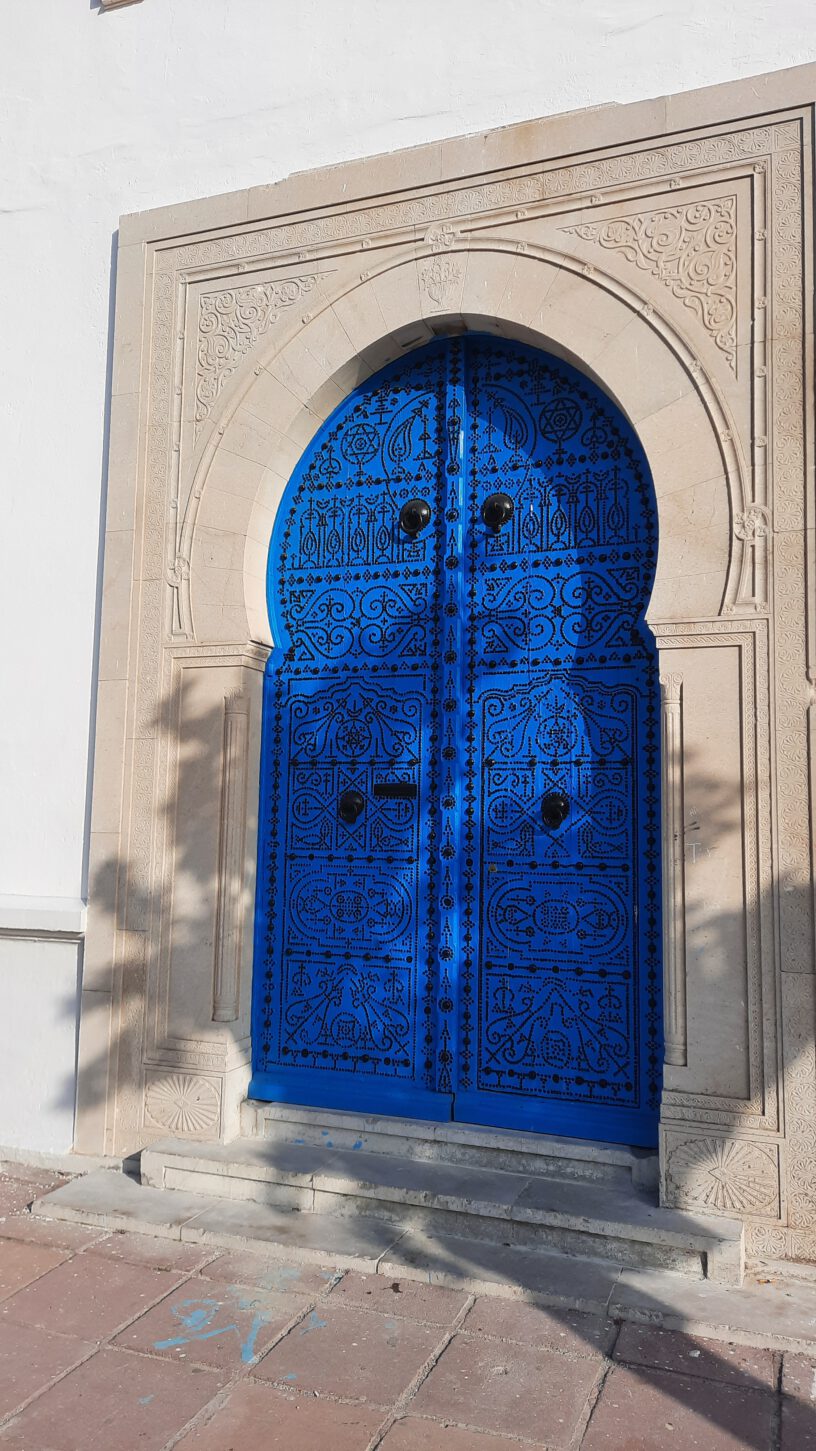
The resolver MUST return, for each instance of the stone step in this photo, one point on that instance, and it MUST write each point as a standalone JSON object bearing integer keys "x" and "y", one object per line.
{"x": 451, "y": 1143}
{"x": 779, "y": 1316}
{"x": 601, "y": 1221}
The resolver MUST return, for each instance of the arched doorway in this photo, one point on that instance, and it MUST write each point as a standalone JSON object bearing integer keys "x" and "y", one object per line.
{"x": 459, "y": 890}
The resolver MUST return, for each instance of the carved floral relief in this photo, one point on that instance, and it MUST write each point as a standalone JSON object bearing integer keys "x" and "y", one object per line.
{"x": 726, "y": 1175}
{"x": 691, "y": 250}
{"x": 230, "y": 323}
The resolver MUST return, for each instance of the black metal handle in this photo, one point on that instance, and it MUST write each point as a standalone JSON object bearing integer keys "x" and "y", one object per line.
{"x": 395, "y": 790}
{"x": 414, "y": 517}
{"x": 497, "y": 510}
{"x": 554, "y": 809}
{"x": 350, "y": 806}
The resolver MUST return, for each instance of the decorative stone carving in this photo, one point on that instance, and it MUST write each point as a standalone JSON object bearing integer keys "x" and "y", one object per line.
{"x": 178, "y": 575}
{"x": 440, "y": 278}
{"x": 692, "y": 250}
{"x": 230, "y": 323}
{"x": 674, "y": 932}
{"x": 752, "y": 524}
{"x": 229, "y": 916}
{"x": 752, "y": 527}
{"x": 695, "y": 1104}
{"x": 730, "y": 1176}
{"x": 489, "y": 196}
{"x": 183, "y": 1103}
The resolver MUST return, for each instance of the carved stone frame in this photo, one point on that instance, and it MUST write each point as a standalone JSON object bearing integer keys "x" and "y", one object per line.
{"x": 664, "y": 248}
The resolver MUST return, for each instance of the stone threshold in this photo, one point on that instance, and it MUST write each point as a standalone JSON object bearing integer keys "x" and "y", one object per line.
{"x": 578, "y": 1216}
{"x": 775, "y": 1316}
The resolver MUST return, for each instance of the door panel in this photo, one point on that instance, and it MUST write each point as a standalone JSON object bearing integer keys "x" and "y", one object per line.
{"x": 562, "y": 691}
{"x": 458, "y": 910}
{"x": 345, "y": 1006}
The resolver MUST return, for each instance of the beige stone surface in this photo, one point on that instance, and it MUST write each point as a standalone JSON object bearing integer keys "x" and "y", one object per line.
{"x": 660, "y": 248}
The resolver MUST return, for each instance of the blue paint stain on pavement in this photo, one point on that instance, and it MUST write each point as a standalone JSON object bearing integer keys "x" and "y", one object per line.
{"x": 194, "y": 1316}
{"x": 248, "y": 1346}
{"x": 290, "y": 1376}
{"x": 358, "y": 1145}
{"x": 145, "y": 1400}
{"x": 314, "y": 1322}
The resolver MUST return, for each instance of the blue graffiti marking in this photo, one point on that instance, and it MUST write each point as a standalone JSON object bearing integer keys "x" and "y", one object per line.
{"x": 195, "y": 1316}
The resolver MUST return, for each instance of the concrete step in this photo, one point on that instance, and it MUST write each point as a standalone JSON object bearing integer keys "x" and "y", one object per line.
{"x": 597, "y": 1220}
{"x": 451, "y": 1143}
{"x": 779, "y": 1316}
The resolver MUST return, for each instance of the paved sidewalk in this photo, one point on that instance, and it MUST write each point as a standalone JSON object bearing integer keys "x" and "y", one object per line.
{"x": 128, "y": 1343}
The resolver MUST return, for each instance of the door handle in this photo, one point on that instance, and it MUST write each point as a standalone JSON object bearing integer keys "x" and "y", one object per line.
{"x": 497, "y": 510}
{"x": 414, "y": 517}
{"x": 395, "y": 790}
{"x": 554, "y": 809}
{"x": 350, "y": 806}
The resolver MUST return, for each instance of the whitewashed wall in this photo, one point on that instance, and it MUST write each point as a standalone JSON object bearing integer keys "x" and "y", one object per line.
{"x": 109, "y": 112}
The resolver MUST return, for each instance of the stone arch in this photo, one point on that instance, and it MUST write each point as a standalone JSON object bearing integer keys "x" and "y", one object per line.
{"x": 537, "y": 296}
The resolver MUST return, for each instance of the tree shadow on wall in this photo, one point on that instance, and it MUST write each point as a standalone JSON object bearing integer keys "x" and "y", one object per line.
{"x": 715, "y": 952}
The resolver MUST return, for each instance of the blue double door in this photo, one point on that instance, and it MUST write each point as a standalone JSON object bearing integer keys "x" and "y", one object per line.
{"x": 459, "y": 875}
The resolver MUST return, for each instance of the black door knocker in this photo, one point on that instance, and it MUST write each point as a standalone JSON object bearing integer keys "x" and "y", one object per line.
{"x": 554, "y": 809}
{"x": 414, "y": 517}
{"x": 350, "y": 806}
{"x": 497, "y": 510}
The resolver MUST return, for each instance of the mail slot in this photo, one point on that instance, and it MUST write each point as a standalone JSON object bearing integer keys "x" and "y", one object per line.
{"x": 395, "y": 790}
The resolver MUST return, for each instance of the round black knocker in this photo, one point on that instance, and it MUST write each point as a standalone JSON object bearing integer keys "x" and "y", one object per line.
{"x": 350, "y": 806}
{"x": 497, "y": 510}
{"x": 554, "y": 809}
{"x": 414, "y": 517}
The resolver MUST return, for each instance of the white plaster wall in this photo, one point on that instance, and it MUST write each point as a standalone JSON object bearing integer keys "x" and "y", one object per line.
{"x": 39, "y": 983}
{"x": 165, "y": 100}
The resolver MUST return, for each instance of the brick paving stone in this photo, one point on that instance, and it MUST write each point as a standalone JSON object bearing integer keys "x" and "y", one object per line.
{"x": 207, "y": 1323}
{"x": 159, "y": 1254}
{"x": 29, "y": 1359}
{"x": 799, "y": 1376}
{"x": 508, "y": 1389}
{"x": 411, "y": 1298}
{"x": 43, "y": 1179}
{"x": 88, "y": 1296}
{"x": 798, "y": 1426}
{"x": 351, "y": 1353}
{"x": 56, "y": 1232}
{"x": 567, "y": 1330}
{"x": 245, "y": 1267}
{"x": 263, "y": 1418}
{"x": 20, "y": 1263}
{"x": 650, "y": 1410}
{"x": 691, "y": 1355}
{"x": 799, "y": 1403}
{"x": 17, "y": 1194}
{"x": 114, "y": 1402}
{"x": 416, "y": 1434}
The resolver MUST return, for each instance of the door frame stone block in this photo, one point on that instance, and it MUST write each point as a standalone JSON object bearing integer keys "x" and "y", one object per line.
{"x": 665, "y": 249}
